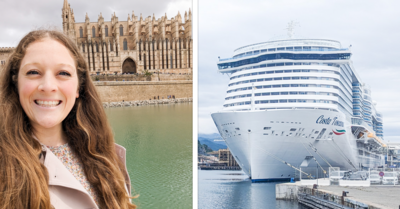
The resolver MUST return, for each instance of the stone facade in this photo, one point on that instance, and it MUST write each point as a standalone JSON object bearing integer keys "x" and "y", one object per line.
{"x": 136, "y": 45}
{"x": 5, "y": 53}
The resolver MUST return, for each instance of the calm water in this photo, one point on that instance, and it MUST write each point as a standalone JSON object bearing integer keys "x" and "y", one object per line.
{"x": 232, "y": 189}
{"x": 158, "y": 140}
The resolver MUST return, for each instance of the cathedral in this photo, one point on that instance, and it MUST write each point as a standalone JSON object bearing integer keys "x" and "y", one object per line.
{"x": 136, "y": 45}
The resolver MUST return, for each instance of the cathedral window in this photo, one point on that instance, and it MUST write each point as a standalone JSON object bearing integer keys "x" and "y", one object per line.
{"x": 83, "y": 47}
{"x": 106, "y": 31}
{"x": 125, "y": 44}
{"x": 121, "y": 30}
{"x": 80, "y": 32}
{"x": 93, "y": 32}
{"x": 97, "y": 47}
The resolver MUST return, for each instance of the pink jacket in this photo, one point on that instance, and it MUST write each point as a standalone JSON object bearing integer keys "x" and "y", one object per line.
{"x": 65, "y": 190}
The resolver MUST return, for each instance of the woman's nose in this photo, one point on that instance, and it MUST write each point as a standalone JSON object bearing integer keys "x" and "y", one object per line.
{"x": 48, "y": 83}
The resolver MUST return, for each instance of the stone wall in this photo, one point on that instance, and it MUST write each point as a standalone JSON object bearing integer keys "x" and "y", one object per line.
{"x": 118, "y": 91}
{"x": 141, "y": 77}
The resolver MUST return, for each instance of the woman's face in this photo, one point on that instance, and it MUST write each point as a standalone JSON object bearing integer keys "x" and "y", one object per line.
{"x": 47, "y": 83}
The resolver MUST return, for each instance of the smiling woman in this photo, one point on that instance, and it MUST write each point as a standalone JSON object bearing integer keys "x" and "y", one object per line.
{"x": 56, "y": 146}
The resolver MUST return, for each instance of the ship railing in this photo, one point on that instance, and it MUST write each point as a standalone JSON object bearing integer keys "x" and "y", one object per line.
{"x": 256, "y": 53}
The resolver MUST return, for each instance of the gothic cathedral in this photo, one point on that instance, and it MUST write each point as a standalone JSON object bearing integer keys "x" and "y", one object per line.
{"x": 136, "y": 45}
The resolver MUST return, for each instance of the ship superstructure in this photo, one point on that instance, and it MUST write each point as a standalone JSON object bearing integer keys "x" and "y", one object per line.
{"x": 287, "y": 98}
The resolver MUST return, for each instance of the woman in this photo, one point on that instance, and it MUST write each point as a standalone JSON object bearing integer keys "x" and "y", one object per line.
{"x": 56, "y": 146}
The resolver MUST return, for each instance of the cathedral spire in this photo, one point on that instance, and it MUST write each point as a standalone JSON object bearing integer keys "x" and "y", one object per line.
{"x": 65, "y": 4}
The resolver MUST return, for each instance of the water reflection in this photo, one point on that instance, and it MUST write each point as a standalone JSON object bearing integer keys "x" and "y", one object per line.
{"x": 233, "y": 189}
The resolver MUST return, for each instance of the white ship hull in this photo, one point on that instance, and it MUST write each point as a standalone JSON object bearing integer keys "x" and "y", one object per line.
{"x": 261, "y": 140}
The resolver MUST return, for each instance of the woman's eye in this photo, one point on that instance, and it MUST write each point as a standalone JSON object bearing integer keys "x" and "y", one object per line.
{"x": 32, "y": 72}
{"x": 64, "y": 73}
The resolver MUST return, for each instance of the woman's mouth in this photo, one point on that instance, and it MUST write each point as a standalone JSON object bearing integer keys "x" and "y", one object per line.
{"x": 48, "y": 103}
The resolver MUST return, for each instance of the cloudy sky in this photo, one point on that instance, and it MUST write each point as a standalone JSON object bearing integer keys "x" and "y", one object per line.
{"x": 371, "y": 27}
{"x": 17, "y": 18}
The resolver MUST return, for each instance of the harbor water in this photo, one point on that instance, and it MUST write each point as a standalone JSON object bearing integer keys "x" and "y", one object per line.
{"x": 233, "y": 189}
{"x": 158, "y": 140}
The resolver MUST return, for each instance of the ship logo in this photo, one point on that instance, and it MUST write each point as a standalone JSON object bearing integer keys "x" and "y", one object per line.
{"x": 339, "y": 132}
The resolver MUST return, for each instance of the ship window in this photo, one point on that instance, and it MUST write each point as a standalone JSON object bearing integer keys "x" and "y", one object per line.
{"x": 268, "y": 79}
{"x": 330, "y": 133}
{"x": 294, "y": 85}
{"x": 293, "y": 93}
{"x": 270, "y": 72}
{"x": 286, "y": 78}
{"x": 261, "y": 73}
{"x": 237, "y": 129}
{"x": 275, "y": 93}
{"x": 281, "y": 49}
{"x": 254, "y": 74}
{"x": 267, "y": 128}
{"x": 264, "y": 101}
{"x": 278, "y": 71}
{"x": 272, "y": 121}
{"x": 292, "y": 129}
{"x": 278, "y": 78}
{"x": 288, "y": 71}
{"x": 283, "y": 101}
{"x": 268, "y": 86}
{"x": 253, "y": 80}
{"x": 276, "y": 86}
{"x": 274, "y": 101}
{"x": 285, "y": 85}
{"x": 265, "y": 134}
{"x": 292, "y": 101}
{"x": 226, "y": 131}
{"x": 259, "y": 80}
{"x": 258, "y": 94}
{"x": 266, "y": 94}
{"x": 316, "y": 132}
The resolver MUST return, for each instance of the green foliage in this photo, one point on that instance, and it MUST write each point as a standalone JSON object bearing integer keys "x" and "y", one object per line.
{"x": 203, "y": 148}
{"x": 147, "y": 73}
{"x": 97, "y": 78}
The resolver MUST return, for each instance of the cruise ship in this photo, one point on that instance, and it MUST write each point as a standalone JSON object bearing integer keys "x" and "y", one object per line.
{"x": 298, "y": 103}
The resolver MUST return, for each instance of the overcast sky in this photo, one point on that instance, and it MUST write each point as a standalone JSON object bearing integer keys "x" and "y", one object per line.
{"x": 371, "y": 27}
{"x": 19, "y": 17}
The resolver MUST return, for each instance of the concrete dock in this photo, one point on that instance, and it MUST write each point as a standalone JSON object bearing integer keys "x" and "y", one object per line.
{"x": 379, "y": 196}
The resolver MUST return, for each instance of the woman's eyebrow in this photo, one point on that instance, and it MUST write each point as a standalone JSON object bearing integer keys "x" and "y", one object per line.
{"x": 32, "y": 63}
{"x": 38, "y": 64}
{"x": 66, "y": 65}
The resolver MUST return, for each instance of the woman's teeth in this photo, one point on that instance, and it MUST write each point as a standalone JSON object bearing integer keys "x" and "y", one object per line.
{"x": 47, "y": 103}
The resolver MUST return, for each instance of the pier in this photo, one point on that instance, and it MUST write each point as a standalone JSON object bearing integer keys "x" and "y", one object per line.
{"x": 334, "y": 196}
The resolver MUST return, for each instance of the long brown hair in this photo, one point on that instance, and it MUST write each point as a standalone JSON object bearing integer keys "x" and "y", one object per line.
{"x": 23, "y": 179}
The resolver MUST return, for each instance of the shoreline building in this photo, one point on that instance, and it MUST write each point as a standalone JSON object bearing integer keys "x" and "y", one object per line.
{"x": 136, "y": 45}
{"x": 5, "y": 53}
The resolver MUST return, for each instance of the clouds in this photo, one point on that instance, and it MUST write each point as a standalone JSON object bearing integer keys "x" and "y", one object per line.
{"x": 20, "y": 17}
{"x": 371, "y": 27}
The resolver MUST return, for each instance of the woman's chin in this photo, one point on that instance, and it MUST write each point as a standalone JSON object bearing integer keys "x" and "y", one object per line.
{"x": 47, "y": 124}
